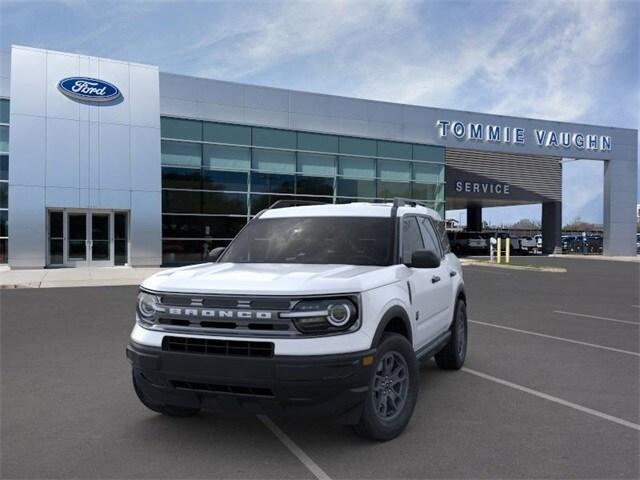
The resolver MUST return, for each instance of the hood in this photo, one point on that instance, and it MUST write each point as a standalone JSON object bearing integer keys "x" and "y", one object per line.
{"x": 271, "y": 279}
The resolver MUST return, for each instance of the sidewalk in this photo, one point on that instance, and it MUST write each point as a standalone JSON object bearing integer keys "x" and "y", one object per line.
{"x": 74, "y": 277}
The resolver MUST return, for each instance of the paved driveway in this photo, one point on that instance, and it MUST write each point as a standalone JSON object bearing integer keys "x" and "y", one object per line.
{"x": 550, "y": 390}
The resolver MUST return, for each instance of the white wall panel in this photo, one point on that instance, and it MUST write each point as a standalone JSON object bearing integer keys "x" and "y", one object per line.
{"x": 114, "y": 156}
{"x": 63, "y": 153}
{"x": 28, "y": 74}
{"x": 27, "y": 149}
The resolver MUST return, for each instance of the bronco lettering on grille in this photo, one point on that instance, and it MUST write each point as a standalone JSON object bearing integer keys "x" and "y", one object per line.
{"x": 215, "y": 313}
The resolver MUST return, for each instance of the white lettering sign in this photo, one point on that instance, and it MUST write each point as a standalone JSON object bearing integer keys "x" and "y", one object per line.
{"x": 478, "y": 132}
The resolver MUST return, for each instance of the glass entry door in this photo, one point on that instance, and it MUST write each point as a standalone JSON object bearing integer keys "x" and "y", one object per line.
{"x": 82, "y": 238}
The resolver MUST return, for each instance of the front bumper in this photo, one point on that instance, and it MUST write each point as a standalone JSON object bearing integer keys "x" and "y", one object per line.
{"x": 321, "y": 385}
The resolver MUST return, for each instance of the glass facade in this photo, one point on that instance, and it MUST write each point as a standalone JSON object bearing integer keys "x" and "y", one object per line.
{"x": 216, "y": 176}
{"x": 4, "y": 179}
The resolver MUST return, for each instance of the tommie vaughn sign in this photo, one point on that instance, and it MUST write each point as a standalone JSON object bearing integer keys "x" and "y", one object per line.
{"x": 88, "y": 89}
{"x": 478, "y": 132}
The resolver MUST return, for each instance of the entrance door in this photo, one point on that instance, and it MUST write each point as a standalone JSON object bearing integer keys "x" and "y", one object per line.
{"x": 82, "y": 238}
{"x": 100, "y": 241}
{"x": 77, "y": 240}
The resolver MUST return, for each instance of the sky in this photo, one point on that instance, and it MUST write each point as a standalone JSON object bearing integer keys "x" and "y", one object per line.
{"x": 568, "y": 60}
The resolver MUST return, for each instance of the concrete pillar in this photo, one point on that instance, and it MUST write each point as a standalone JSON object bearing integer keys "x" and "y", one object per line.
{"x": 474, "y": 218}
{"x": 619, "y": 212}
{"x": 552, "y": 227}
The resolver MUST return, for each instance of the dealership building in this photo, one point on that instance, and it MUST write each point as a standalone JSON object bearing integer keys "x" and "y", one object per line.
{"x": 107, "y": 162}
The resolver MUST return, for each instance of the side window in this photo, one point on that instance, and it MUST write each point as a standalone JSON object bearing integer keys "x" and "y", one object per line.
{"x": 411, "y": 238}
{"x": 430, "y": 239}
{"x": 441, "y": 230}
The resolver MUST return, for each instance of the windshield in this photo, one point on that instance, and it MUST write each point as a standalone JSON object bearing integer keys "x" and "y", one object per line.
{"x": 341, "y": 240}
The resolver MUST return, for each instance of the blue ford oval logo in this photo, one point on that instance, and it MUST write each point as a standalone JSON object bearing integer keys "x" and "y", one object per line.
{"x": 90, "y": 89}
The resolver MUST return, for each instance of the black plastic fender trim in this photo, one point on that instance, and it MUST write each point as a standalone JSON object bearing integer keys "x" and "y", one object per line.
{"x": 394, "y": 312}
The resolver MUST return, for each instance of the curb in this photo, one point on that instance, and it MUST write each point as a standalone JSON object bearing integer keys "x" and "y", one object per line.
{"x": 513, "y": 267}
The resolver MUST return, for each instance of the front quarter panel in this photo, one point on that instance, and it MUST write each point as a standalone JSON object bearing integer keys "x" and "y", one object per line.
{"x": 378, "y": 301}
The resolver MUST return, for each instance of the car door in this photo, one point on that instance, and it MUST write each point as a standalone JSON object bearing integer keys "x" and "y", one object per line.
{"x": 446, "y": 272}
{"x": 424, "y": 283}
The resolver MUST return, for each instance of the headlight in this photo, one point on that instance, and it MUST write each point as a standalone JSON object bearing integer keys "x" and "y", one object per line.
{"x": 330, "y": 315}
{"x": 146, "y": 307}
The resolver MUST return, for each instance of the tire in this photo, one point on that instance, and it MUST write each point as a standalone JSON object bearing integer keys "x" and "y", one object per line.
{"x": 168, "y": 410}
{"x": 453, "y": 354}
{"x": 394, "y": 353}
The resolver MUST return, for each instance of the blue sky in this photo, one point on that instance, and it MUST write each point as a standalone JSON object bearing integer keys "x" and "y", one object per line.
{"x": 562, "y": 60}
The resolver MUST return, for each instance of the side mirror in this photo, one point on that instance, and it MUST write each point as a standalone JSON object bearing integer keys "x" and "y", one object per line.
{"x": 424, "y": 259}
{"x": 214, "y": 254}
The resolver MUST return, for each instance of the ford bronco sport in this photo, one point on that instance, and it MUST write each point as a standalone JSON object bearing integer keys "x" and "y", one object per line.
{"x": 315, "y": 310}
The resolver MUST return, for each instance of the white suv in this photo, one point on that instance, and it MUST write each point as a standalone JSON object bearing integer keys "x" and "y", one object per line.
{"x": 314, "y": 310}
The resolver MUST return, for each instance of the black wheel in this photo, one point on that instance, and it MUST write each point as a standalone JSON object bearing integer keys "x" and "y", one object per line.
{"x": 168, "y": 410}
{"x": 393, "y": 390}
{"x": 453, "y": 354}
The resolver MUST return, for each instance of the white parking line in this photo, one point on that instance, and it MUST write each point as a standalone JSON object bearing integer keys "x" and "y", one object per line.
{"x": 557, "y": 400}
{"x": 596, "y": 317}
{"x": 295, "y": 449}
{"x": 562, "y": 339}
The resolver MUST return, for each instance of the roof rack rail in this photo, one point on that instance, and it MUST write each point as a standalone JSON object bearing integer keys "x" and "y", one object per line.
{"x": 294, "y": 203}
{"x": 401, "y": 202}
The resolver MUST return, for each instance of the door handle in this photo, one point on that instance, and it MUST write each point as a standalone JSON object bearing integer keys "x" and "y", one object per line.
{"x": 435, "y": 279}
{"x": 453, "y": 273}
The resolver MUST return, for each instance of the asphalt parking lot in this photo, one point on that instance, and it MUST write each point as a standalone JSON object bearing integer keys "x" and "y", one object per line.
{"x": 550, "y": 390}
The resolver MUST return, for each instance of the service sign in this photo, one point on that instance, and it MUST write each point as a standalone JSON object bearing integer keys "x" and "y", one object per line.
{"x": 88, "y": 89}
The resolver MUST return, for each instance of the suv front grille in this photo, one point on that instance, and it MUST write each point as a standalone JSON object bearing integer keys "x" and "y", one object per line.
{"x": 207, "y": 346}
{"x": 215, "y": 388}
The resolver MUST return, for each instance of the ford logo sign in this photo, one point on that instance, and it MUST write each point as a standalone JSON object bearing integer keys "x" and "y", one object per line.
{"x": 89, "y": 89}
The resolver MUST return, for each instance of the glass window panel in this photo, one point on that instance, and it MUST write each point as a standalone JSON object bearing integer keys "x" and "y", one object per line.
{"x": 4, "y": 110}
{"x": 225, "y": 133}
{"x": 274, "y": 161}
{"x": 77, "y": 233}
{"x": 222, "y": 227}
{"x": 318, "y": 143}
{"x": 394, "y": 150}
{"x": 4, "y": 167}
{"x": 357, "y": 167}
{"x": 428, "y": 173}
{"x": 179, "y": 128}
{"x": 393, "y": 189}
{"x": 214, "y": 202}
{"x": 424, "y": 191}
{"x": 4, "y": 223}
{"x": 226, "y": 158}
{"x": 55, "y": 225}
{"x": 356, "y": 188}
{"x": 311, "y": 164}
{"x": 4, "y": 139}
{"x": 181, "y": 226}
{"x": 4, "y": 257}
{"x": 55, "y": 251}
{"x": 4, "y": 195}
{"x": 176, "y": 201}
{"x": 271, "y": 137}
{"x": 272, "y": 183}
{"x": 219, "y": 180}
{"x": 428, "y": 153}
{"x": 314, "y": 185}
{"x": 120, "y": 242}
{"x": 411, "y": 238}
{"x": 395, "y": 171}
{"x": 260, "y": 202}
{"x": 183, "y": 252}
{"x": 351, "y": 200}
{"x": 431, "y": 241}
{"x": 358, "y": 146}
{"x": 175, "y": 177}
{"x": 179, "y": 153}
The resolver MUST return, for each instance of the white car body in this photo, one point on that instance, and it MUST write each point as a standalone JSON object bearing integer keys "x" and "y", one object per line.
{"x": 380, "y": 288}
{"x": 309, "y": 310}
